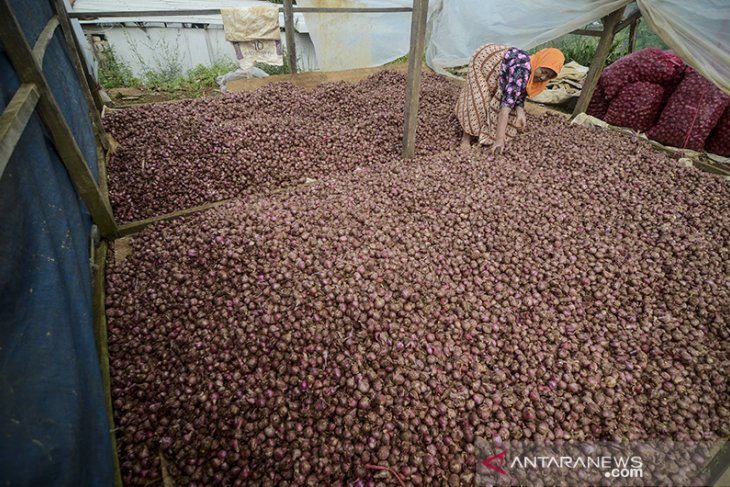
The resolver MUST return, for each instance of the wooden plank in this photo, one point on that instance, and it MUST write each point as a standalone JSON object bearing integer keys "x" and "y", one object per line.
{"x": 14, "y": 119}
{"x": 41, "y": 44}
{"x": 587, "y": 32}
{"x": 313, "y": 79}
{"x": 216, "y": 11}
{"x": 291, "y": 50}
{"x": 75, "y": 55}
{"x": 630, "y": 20}
{"x": 21, "y": 56}
{"x": 719, "y": 465}
{"x": 101, "y": 156}
{"x": 712, "y": 167}
{"x": 599, "y": 60}
{"x": 632, "y": 36}
{"x": 134, "y": 227}
{"x": 102, "y": 339}
{"x": 413, "y": 84}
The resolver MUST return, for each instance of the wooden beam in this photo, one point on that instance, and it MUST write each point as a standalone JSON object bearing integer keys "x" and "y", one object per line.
{"x": 81, "y": 72}
{"x": 587, "y": 32}
{"x": 291, "y": 50}
{"x": 216, "y": 11}
{"x": 41, "y": 44}
{"x": 137, "y": 226}
{"x": 14, "y": 119}
{"x": 21, "y": 56}
{"x": 413, "y": 82}
{"x": 630, "y": 20}
{"x": 599, "y": 60}
{"x": 632, "y": 35}
{"x": 98, "y": 305}
{"x": 719, "y": 465}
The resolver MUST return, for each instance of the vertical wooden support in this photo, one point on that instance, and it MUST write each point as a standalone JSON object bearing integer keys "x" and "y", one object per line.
{"x": 632, "y": 35}
{"x": 20, "y": 55}
{"x": 599, "y": 60}
{"x": 291, "y": 50}
{"x": 413, "y": 88}
{"x": 81, "y": 72}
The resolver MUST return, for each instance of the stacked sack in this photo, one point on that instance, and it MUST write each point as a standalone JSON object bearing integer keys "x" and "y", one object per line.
{"x": 653, "y": 91}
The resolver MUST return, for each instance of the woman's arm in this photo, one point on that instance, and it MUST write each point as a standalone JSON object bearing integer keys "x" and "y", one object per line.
{"x": 502, "y": 120}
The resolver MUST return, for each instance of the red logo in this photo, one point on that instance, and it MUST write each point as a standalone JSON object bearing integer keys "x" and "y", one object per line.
{"x": 488, "y": 463}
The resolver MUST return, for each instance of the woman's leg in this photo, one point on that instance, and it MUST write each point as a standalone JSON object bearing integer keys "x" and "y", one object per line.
{"x": 465, "y": 141}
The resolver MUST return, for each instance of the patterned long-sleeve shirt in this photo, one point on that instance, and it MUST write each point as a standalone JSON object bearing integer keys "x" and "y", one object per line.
{"x": 514, "y": 73}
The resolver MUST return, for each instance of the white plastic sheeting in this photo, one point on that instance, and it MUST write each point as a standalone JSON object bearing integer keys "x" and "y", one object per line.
{"x": 358, "y": 40}
{"x": 458, "y": 28}
{"x": 697, "y": 30}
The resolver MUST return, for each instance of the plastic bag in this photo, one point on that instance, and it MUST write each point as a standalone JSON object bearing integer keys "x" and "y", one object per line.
{"x": 692, "y": 112}
{"x": 637, "y": 106}
{"x": 224, "y": 79}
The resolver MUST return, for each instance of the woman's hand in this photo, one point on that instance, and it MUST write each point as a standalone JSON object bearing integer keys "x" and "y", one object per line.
{"x": 521, "y": 121}
{"x": 497, "y": 147}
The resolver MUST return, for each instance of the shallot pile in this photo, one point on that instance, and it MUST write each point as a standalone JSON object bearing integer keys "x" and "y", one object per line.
{"x": 368, "y": 328}
{"x": 182, "y": 154}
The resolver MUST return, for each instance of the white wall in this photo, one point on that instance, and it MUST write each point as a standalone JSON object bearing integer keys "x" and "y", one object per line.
{"x": 156, "y": 46}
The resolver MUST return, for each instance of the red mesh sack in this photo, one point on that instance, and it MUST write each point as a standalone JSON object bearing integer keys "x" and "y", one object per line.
{"x": 651, "y": 65}
{"x": 598, "y": 105}
{"x": 637, "y": 106}
{"x": 691, "y": 113}
{"x": 719, "y": 140}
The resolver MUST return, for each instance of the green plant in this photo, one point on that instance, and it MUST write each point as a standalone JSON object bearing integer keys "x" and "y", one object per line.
{"x": 113, "y": 72}
{"x": 201, "y": 77}
{"x": 270, "y": 69}
{"x": 581, "y": 49}
{"x": 274, "y": 70}
{"x": 162, "y": 70}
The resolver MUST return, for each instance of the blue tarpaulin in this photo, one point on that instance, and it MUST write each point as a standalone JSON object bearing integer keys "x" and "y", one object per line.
{"x": 53, "y": 424}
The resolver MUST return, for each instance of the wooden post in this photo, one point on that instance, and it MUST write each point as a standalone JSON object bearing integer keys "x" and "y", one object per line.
{"x": 599, "y": 60}
{"x": 413, "y": 87}
{"x": 632, "y": 35}
{"x": 21, "y": 56}
{"x": 291, "y": 50}
{"x": 81, "y": 72}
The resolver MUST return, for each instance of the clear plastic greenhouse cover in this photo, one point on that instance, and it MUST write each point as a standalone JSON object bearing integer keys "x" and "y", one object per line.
{"x": 358, "y": 40}
{"x": 699, "y": 31}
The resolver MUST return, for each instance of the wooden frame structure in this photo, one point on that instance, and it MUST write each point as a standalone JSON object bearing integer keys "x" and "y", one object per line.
{"x": 35, "y": 93}
{"x": 612, "y": 25}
